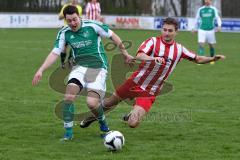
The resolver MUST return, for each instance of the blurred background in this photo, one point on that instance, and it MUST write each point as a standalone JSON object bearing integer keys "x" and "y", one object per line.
{"x": 185, "y": 8}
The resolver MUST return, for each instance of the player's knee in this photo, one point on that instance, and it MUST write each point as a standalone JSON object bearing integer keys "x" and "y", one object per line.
{"x": 133, "y": 123}
{"x": 92, "y": 104}
{"x": 211, "y": 45}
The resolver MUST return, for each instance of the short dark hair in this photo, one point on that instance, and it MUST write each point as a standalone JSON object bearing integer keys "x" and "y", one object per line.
{"x": 171, "y": 21}
{"x": 70, "y": 9}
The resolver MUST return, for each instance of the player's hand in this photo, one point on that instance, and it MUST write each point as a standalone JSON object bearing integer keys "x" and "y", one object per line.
{"x": 218, "y": 29}
{"x": 129, "y": 60}
{"x": 159, "y": 60}
{"x": 37, "y": 77}
{"x": 219, "y": 57}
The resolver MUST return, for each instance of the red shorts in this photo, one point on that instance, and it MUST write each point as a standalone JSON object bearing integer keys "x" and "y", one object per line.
{"x": 130, "y": 89}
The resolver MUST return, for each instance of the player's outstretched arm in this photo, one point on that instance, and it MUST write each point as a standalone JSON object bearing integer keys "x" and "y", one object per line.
{"x": 117, "y": 40}
{"x": 204, "y": 59}
{"x": 51, "y": 58}
{"x": 144, "y": 57}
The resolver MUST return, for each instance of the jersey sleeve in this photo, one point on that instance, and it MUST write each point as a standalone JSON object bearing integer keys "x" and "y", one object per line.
{"x": 59, "y": 44}
{"x": 219, "y": 21}
{"x": 146, "y": 47}
{"x": 102, "y": 29}
{"x": 196, "y": 20}
{"x": 186, "y": 54}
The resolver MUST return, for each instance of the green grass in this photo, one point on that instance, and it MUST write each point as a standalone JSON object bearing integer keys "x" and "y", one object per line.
{"x": 198, "y": 120}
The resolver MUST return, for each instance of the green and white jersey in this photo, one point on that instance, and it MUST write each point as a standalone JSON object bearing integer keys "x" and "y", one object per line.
{"x": 206, "y": 16}
{"x": 86, "y": 44}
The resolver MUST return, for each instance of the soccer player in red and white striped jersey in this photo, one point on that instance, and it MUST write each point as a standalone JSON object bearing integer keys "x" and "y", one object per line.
{"x": 93, "y": 10}
{"x": 159, "y": 56}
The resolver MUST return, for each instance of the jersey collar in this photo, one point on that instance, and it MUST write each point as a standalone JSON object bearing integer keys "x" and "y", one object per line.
{"x": 165, "y": 43}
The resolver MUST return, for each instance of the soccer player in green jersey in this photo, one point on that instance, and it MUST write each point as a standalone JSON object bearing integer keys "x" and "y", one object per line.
{"x": 90, "y": 70}
{"x": 206, "y": 16}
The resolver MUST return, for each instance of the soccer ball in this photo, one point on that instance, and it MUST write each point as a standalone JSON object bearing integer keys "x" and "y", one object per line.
{"x": 114, "y": 141}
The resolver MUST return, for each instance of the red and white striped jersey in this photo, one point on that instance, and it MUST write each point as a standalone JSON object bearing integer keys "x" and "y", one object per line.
{"x": 150, "y": 75}
{"x": 93, "y": 11}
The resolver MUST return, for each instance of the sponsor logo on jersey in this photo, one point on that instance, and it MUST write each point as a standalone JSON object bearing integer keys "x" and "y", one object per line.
{"x": 82, "y": 44}
{"x": 207, "y": 15}
{"x": 85, "y": 34}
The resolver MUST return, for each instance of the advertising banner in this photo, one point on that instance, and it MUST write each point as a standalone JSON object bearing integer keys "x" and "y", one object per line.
{"x": 129, "y": 22}
{"x": 121, "y": 22}
{"x": 231, "y": 25}
{"x": 30, "y": 21}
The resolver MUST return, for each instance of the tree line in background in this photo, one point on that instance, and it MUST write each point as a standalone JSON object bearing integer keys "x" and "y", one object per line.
{"x": 126, "y": 7}
{"x": 131, "y": 7}
{"x": 30, "y": 5}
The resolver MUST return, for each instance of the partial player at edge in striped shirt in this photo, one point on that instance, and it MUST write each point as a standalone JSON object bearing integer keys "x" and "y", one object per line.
{"x": 93, "y": 10}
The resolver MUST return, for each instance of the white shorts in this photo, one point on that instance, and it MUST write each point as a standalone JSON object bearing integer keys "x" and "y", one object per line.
{"x": 206, "y": 36}
{"x": 92, "y": 79}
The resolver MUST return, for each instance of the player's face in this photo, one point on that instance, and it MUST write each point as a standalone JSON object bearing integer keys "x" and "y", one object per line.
{"x": 73, "y": 21}
{"x": 208, "y": 2}
{"x": 168, "y": 32}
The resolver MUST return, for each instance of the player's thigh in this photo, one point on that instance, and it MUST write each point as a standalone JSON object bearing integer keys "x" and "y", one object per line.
{"x": 211, "y": 39}
{"x": 96, "y": 81}
{"x": 145, "y": 102}
{"x": 75, "y": 82}
{"x": 201, "y": 36}
{"x": 78, "y": 73}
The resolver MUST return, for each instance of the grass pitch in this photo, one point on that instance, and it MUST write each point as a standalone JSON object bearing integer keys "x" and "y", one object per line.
{"x": 199, "y": 119}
